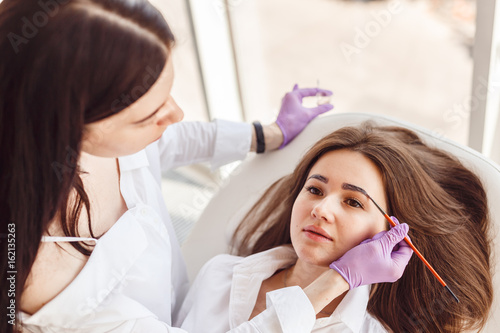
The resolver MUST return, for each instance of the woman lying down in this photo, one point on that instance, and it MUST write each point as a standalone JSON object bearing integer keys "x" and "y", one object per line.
{"x": 343, "y": 268}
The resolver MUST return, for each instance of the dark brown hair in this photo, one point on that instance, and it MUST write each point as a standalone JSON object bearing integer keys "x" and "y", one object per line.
{"x": 63, "y": 64}
{"x": 445, "y": 206}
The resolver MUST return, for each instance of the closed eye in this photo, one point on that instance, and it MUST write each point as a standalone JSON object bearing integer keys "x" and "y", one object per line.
{"x": 313, "y": 190}
{"x": 354, "y": 203}
{"x": 150, "y": 117}
{"x": 146, "y": 122}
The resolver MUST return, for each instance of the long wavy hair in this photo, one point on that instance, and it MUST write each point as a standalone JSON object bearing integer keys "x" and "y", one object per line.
{"x": 445, "y": 206}
{"x": 63, "y": 64}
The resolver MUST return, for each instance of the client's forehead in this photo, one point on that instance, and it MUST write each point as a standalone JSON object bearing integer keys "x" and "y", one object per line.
{"x": 346, "y": 166}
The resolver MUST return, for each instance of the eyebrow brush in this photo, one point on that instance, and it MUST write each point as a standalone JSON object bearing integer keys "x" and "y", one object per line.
{"x": 417, "y": 252}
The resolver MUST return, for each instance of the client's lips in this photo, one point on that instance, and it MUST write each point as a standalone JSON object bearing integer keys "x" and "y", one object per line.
{"x": 317, "y": 233}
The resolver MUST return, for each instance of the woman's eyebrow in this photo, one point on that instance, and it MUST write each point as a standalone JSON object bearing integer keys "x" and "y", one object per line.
{"x": 151, "y": 115}
{"x": 350, "y": 187}
{"x": 321, "y": 178}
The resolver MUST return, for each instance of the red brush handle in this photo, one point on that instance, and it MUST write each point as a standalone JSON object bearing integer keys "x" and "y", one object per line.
{"x": 417, "y": 252}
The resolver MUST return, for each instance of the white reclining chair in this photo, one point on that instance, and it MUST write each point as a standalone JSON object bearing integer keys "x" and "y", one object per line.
{"x": 247, "y": 183}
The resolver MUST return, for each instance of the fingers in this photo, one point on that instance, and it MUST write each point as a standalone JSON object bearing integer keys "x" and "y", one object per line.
{"x": 395, "y": 235}
{"x": 321, "y": 109}
{"x": 402, "y": 255}
{"x": 403, "y": 244}
{"x": 306, "y": 92}
{"x": 366, "y": 241}
{"x": 403, "y": 248}
{"x": 295, "y": 87}
{"x": 382, "y": 233}
{"x": 377, "y": 236}
{"x": 324, "y": 92}
{"x": 342, "y": 273}
{"x": 397, "y": 222}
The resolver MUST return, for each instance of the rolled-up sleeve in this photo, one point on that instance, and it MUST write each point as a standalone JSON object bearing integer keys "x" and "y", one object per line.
{"x": 218, "y": 142}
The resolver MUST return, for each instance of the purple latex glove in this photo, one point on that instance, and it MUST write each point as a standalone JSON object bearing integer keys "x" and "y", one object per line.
{"x": 380, "y": 259}
{"x": 294, "y": 117}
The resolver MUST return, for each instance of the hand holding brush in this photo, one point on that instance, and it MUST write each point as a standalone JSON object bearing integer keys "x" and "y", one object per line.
{"x": 406, "y": 239}
{"x": 380, "y": 259}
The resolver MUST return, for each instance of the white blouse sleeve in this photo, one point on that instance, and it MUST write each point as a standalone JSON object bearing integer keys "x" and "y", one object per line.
{"x": 218, "y": 142}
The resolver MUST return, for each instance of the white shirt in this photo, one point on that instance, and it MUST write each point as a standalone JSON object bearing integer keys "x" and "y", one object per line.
{"x": 135, "y": 279}
{"x": 225, "y": 291}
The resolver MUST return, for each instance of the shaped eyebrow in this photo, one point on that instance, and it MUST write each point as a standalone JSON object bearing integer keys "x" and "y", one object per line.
{"x": 350, "y": 187}
{"x": 321, "y": 178}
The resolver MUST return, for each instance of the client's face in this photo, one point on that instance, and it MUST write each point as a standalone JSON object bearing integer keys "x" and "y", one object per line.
{"x": 328, "y": 220}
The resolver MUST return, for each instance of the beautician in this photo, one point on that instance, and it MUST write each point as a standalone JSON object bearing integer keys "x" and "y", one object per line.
{"x": 87, "y": 125}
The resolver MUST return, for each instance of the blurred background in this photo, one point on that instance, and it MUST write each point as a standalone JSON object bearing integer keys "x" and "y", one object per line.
{"x": 413, "y": 60}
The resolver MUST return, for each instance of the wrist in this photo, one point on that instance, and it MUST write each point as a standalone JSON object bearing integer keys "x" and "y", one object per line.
{"x": 325, "y": 289}
{"x": 273, "y": 136}
{"x": 260, "y": 141}
{"x": 339, "y": 271}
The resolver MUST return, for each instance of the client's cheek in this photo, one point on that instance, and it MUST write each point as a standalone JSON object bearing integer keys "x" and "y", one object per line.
{"x": 362, "y": 236}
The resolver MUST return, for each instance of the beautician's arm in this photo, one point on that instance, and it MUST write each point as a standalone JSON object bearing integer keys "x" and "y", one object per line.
{"x": 272, "y": 136}
{"x": 221, "y": 142}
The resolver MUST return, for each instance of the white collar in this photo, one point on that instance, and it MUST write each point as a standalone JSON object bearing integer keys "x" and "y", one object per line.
{"x": 134, "y": 161}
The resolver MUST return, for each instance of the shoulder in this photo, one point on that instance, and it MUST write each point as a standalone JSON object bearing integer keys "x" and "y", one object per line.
{"x": 54, "y": 268}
